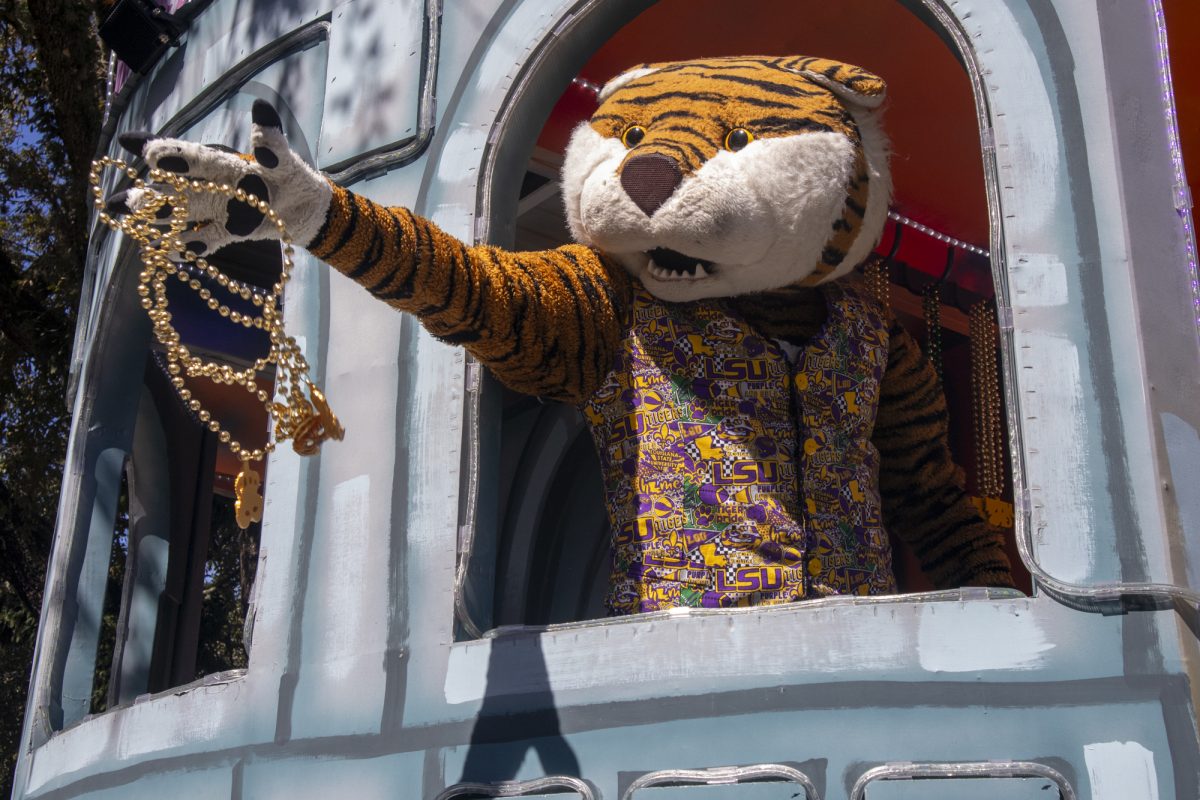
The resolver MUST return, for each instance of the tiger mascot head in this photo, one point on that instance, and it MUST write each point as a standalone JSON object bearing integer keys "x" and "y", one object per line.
{"x": 729, "y": 176}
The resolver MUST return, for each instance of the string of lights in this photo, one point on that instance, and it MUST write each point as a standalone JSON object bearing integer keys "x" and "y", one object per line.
{"x": 584, "y": 83}
{"x": 958, "y": 244}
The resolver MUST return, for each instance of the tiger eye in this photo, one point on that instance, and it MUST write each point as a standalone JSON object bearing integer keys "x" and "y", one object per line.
{"x": 633, "y": 135}
{"x": 738, "y": 138}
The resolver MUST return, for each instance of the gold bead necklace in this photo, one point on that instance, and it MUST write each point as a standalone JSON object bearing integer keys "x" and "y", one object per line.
{"x": 303, "y": 415}
{"x": 879, "y": 282}
{"x": 985, "y": 397}
{"x": 931, "y": 306}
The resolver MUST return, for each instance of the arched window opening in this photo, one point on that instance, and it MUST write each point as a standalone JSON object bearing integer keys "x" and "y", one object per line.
{"x": 931, "y": 267}
{"x": 182, "y": 568}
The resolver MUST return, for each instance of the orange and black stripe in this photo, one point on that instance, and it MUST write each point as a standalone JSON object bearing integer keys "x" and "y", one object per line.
{"x": 551, "y": 323}
{"x": 687, "y": 109}
{"x": 546, "y": 323}
{"x": 923, "y": 498}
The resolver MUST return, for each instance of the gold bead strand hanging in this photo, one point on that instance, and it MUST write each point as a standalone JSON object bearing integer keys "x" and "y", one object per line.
{"x": 878, "y": 271}
{"x": 878, "y": 284}
{"x": 931, "y": 306}
{"x": 985, "y": 398}
{"x": 304, "y": 416}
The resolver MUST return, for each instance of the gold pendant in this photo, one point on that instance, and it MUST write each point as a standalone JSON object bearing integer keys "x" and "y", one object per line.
{"x": 317, "y": 426}
{"x": 248, "y": 505}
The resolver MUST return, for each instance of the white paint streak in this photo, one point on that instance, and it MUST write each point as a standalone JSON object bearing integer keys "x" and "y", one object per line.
{"x": 273, "y": 585}
{"x": 1040, "y": 279}
{"x": 435, "y": 425}
{"x": 342, "y": 680}
{"x": 980, "y": 637}
{"x": 343, "y": 578}
{"x": 302, "y": 778}
{"x": 1121, "y": 771}
{"x": 1056, "y": 446}
{"x": 1026, "y": 132}
{"x": 464, "y": 680}
{"x": 766, "y": 647}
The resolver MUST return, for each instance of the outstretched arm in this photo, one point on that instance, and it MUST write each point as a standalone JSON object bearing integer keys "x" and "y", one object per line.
{"x": 923, "y": 498}
{"x": 546, "y": 323}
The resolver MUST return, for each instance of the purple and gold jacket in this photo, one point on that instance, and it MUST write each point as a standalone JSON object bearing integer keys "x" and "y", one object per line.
{"x": 736, "y": 473}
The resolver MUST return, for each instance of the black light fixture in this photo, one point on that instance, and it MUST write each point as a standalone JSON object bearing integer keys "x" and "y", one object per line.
{"x": 139, "y": 31}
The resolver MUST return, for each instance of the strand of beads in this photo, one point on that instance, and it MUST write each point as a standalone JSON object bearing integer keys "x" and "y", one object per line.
{"x": 985, "y": 395}
{"x": 931, "y": 306}
{"x": 879, "y": 281}
{"x": 303, "y": 416}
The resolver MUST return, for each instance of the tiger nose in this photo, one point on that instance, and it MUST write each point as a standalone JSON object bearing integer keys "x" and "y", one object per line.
{"x": 649, "y": 180}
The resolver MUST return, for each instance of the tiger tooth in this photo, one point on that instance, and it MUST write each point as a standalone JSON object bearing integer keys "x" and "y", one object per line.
{"x": 700, "y": 271}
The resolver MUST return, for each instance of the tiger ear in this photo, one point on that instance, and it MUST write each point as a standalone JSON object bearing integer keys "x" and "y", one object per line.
{"x": 625, "y": 77}
{"x": 850, "y": 83}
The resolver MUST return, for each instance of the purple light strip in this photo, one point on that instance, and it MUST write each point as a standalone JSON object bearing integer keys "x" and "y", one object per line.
{"x": 1183, "y": 195}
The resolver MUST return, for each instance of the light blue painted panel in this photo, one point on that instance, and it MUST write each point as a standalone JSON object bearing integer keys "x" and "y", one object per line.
{"x": 833, "y": 743}
{"x": 534, "y": 795}
{"x": 964, "y": 789}
{"x": 294, "y": 85}
{"x": 89, "y": 588}
{"x": 740, "y": 791}
{"x": 1078, "y": 394}
{"x": 196, "y": 784}
{"x": 374, "y": 80}
{"x": 385, "y": 778}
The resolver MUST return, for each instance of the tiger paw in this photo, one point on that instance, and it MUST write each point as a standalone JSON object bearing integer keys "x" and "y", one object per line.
{"x": 271, "y": 172}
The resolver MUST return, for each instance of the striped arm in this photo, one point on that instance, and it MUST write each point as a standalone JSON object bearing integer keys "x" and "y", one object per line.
{"x": 545, "y": 323}
{"x": 923, "y": 498}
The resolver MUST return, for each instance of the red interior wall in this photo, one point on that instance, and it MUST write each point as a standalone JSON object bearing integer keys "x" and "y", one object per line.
{"x": 1183, "y": 30}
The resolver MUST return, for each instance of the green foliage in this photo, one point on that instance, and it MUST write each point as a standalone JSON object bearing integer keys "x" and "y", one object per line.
{"x": 110, "y": 611}
{"x": 51, "y": 101}
{"x": 228, "y": 576}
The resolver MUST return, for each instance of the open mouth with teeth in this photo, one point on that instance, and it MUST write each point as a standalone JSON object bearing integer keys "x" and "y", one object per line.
{"x": 671, "y": 265}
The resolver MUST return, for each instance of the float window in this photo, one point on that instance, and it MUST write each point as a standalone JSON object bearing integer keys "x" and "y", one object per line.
{"x": 540, "y": 552}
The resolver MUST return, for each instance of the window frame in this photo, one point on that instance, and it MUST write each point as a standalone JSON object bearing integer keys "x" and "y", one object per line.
{"x": 503, "y": 160}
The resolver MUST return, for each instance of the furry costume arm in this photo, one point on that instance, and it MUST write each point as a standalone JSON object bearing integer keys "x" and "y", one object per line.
{"x": 545, "y": 323}
{"x": 923, "y": 498}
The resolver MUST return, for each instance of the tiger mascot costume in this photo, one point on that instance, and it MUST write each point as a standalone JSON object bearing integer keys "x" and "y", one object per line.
{"x": 760, "y": 423}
